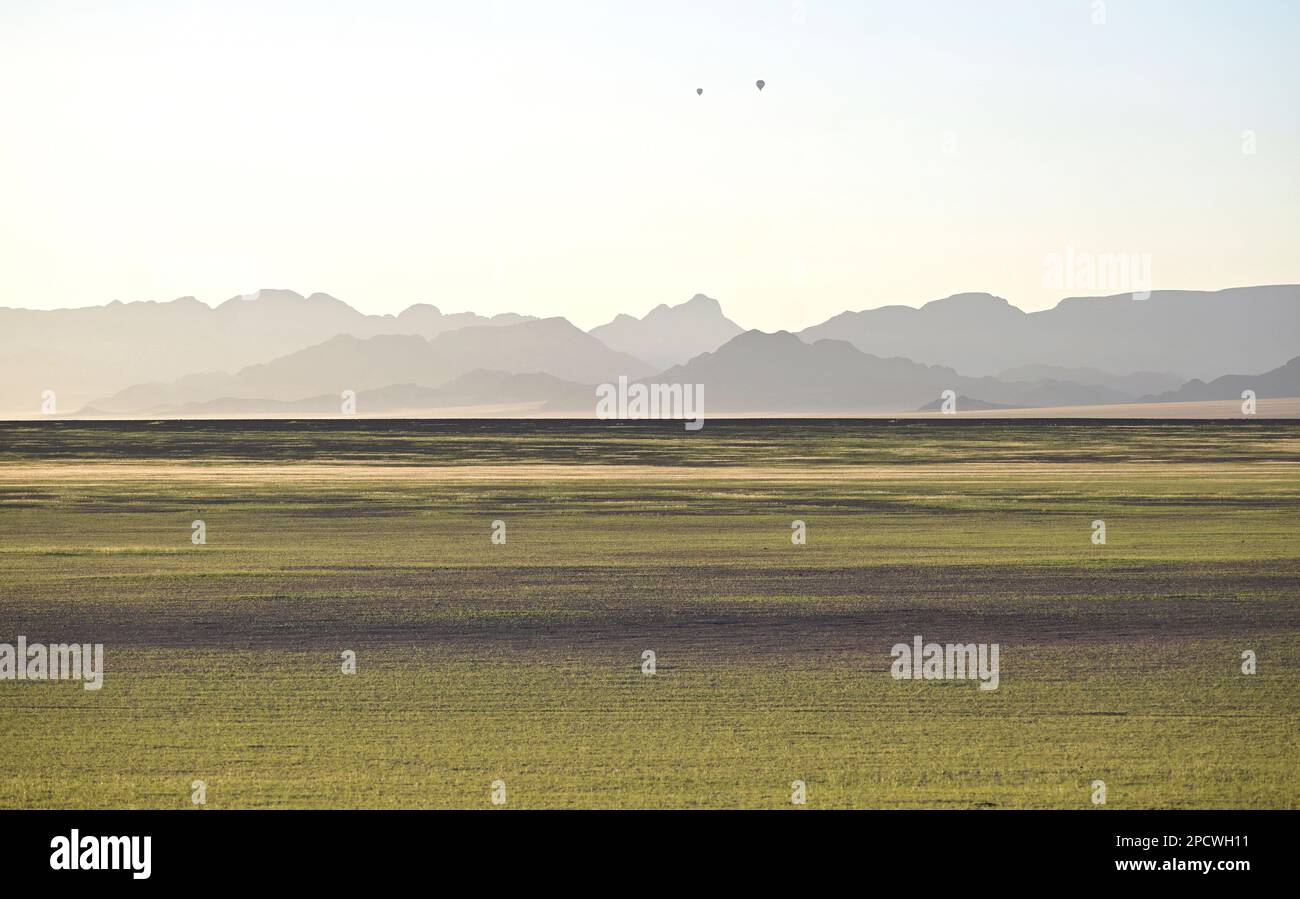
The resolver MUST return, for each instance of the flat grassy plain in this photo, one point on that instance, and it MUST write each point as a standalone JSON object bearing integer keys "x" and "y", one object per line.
{"x": 522, "y": 662}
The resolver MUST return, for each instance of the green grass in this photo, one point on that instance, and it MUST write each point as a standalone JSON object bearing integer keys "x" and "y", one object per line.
{"x": 521, "y": 662}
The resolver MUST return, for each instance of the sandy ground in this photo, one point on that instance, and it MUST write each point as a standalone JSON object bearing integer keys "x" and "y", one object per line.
{"x": 1217, "y": 409}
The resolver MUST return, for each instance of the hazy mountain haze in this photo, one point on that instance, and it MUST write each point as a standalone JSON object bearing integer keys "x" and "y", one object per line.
{"x": 87, "y": 352}
{"x": 1194, "y": 333}
{"x": 550, "y": 347}
{"x": 670, "y": 335}
{"x": 124, "y": 359}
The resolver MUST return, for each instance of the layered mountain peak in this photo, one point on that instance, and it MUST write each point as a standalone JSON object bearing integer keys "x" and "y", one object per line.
{"x": 264, "y": 297}
{"x": 417, "y": 309}
{"x": 319, "y": 298}
{"x": 697, "y": 305}
{"x": 552, "y": 325}
{"x": 979, "y": 303}
{"x": 670, "y": 335}
{"x": 765, "y": 339}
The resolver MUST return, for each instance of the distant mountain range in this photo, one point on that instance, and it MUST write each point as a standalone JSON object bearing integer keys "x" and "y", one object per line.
{"x": 551, "y": 347}
{"x": 477, "y": 393}
{"x": 83, "y": 353}
{"x": 779, "y": 373}
{"x": 1283, "y": 381}
{"x": 670, "y": 335}
{"x": 1201, "y": 334}
{"x": 280, "y": 353}
{"x": 1138, "y": 383}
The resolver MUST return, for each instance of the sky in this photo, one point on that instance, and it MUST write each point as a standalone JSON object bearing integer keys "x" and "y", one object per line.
{"x": 555, "y": 159}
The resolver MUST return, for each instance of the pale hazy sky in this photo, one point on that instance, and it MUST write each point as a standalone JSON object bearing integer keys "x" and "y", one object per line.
{"x": 553, "y": 158}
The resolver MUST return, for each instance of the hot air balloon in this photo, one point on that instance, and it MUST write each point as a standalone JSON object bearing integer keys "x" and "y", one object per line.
{"x": 760, "y": 82}
{"x": 698, "y": 91}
